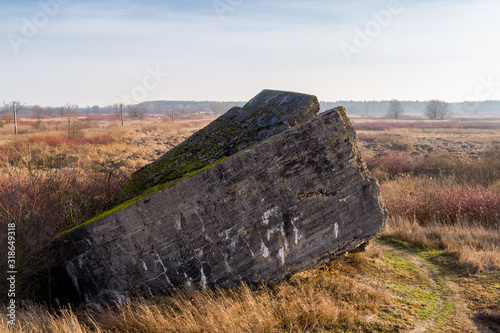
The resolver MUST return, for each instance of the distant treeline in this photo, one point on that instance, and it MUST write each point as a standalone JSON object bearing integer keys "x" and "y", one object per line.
{"x": 188, "y": 107}
{"x": 153, "y": 107}
{"x": 218, "y": 108}
{"x": 413, "y": 107}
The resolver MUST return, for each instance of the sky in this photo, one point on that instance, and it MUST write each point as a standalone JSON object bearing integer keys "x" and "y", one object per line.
{"x": 54, "y": 52}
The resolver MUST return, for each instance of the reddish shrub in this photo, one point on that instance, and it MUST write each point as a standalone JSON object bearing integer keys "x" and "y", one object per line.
{"x": 413, "y": 202}
{"x": 428, "y": 200}
{"x": 98, "y": 140}
{"x": 103, "y": 117}
{"x": 51, "y": 141}
{"x": 400, "y": 163}
{"x": 362, "y": 137}
{"x": 468, "y": 202}
{"x": 8, "y": 154}
{"x": 396, "y": 163}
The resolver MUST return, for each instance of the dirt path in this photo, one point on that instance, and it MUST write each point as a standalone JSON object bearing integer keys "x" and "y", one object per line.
{"x": 450, "y": 295}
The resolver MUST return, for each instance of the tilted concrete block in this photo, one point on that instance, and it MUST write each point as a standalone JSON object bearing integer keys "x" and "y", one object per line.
{"x": 293, "y": 201}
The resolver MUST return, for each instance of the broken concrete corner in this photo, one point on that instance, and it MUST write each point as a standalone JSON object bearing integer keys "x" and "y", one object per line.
{"x": 269, "y": 113}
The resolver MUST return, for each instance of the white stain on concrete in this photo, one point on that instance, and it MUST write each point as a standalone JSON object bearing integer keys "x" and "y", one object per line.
{"x": 249, "y": 248}
{"x": 264, "y": 250}
{"x": 296, "y": 233}
{"x": 336, "y": 230}
{"x": 144, "y": 264}
{"x": 233, "y": 245}
{"x": 188, "y": 280}
{"x": 203, "y": 279}
{"x": 271, "y": 232}
{"x": 281, "y": 254}
{"x": 271, "y": 212}
{"x": 80, "y": 261}
{"x": 345, "y": 199}
{"x": 164, "y": 268}
{"x": 226, "y": 233}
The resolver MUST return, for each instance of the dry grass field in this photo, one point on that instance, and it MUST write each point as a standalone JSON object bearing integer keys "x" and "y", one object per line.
{"x": 434, "y": 267}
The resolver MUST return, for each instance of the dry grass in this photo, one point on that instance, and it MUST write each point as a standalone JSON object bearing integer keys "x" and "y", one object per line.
{"x": 476, "y": 247}
{"x": 439, "y": 202}
{"x": 330, "y": 298}
{"x": 37, "y": 319}
{"x": 381, "y": 125}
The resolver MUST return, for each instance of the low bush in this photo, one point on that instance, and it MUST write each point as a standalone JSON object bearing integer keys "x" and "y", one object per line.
{"x": 41, "y": 204}
{"x": 98, "y": 140}
{"x": 481, "y": 171}
{"x": 426, "y": 199}
{"x": 396, "y": 163}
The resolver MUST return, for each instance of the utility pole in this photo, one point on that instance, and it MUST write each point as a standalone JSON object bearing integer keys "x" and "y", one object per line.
{"x": 14, "y": 108}
{"x": 121, "y": 113}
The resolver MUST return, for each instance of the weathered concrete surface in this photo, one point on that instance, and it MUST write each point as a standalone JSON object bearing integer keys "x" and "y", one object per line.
{"x": 286, "y": 204}
{"x": 267, "y": 114}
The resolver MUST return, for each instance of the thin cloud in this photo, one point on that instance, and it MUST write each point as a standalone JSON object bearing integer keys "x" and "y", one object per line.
{"x": 91, "y": 51}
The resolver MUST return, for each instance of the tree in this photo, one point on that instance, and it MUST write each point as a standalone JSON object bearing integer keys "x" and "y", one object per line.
{"x": 38, "y": 113}
{"x": 116, "y": 106}
{"x": 75, "y": 130}
{"x": 6, "y": 108}
{"x": 218, "y": 108}
{"x": 396, "y": 109}
{"x": 48, "y": 111}
{"x": 136, "y": 112}
{"x": 437, "y": 109}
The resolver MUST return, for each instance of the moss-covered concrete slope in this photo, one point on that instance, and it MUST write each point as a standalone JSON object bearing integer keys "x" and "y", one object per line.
{"x": 267, "y": 114}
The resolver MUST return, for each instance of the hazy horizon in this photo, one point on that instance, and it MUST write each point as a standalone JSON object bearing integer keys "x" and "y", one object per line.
{"x": 92, "y": 53}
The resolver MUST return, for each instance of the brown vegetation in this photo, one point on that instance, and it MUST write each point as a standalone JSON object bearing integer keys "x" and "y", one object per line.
{"x": 441, "y": 186}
